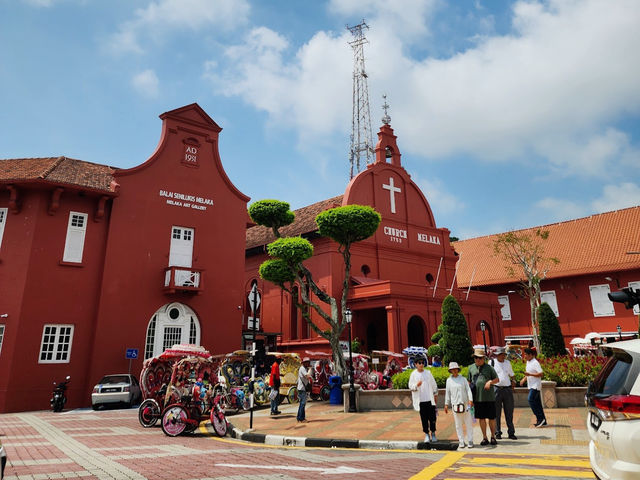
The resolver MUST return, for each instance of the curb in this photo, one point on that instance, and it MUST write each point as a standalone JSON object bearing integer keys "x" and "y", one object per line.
{"x": 281, "y": 440}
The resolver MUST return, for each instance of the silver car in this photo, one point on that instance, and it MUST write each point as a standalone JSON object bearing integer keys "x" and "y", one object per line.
{"x": 116, "y": 389}
{"x": 613, "y": 402}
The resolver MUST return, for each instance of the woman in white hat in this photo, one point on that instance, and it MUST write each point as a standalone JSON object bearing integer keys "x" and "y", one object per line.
{"x": 458, "y": 397}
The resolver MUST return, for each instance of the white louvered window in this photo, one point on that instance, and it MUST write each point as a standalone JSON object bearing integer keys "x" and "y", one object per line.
{"x": 74, "y": 245}
{"x": 506, "y": 307}
{"x": 550, "y": 297}
{"x": 602, "y": 306}
{"x": 56, "y": 344}
{"x": 181, "y": 252}
{"x": 3, "y": 221}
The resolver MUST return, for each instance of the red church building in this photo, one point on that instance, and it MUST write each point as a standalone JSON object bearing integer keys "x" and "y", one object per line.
{"x": 400, "y": 275}
{"x": 97, "y": 260}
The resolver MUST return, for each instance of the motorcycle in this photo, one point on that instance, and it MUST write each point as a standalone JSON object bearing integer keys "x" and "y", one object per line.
{"x": 59, "y": 399}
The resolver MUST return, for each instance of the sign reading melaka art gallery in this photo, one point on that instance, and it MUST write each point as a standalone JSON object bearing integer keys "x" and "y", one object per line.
{"x": 399, "y": 235}
{"x": 186, "y": 200}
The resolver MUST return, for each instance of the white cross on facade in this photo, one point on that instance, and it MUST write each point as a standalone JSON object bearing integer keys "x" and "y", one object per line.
{"x": 392, "y": 190}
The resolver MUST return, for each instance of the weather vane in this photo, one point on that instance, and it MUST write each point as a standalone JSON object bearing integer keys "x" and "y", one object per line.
{"x": 386, "y": 119}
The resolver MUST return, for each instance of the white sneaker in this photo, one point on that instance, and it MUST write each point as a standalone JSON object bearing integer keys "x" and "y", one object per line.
{"x": 470, "y": 445}
{"x": 461, "y": 445}
{"x": 543, "y": 423}
{"x": 433, "y": 438}
{"x": 426, "y": 438}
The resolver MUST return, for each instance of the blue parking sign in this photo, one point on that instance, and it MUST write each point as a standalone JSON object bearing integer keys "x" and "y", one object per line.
{"x": 132, "y": 353}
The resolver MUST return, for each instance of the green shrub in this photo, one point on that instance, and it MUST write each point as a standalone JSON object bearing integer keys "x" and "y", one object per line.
{"x": 551, "y": 339}
{"x": 434, "y": 351}
{"x": 455, "y": 340}
{"x": 565, "y": 371}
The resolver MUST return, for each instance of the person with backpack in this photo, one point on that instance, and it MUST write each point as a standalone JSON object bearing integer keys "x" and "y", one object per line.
{"x": 481, "y": 378}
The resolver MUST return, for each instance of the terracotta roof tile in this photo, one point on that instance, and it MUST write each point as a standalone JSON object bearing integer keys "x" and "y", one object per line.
{"x": 61, "y": 170}
{"x": 584, "y": 246}
{"x": 303, "y": 223}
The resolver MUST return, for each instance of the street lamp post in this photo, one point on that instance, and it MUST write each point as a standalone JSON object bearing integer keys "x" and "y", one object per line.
{"x": 483, "y": 327}
{"x": 619, "y": 332}
{"x": 352, "y": 389}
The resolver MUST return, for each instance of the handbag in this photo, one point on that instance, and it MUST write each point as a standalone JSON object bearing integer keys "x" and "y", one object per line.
{"x": 273, "y": 394}
{"x": 459, "y": 408}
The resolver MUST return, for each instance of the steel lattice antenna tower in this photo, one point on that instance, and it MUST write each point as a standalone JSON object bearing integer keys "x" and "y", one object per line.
{"x": 361, "y": 140}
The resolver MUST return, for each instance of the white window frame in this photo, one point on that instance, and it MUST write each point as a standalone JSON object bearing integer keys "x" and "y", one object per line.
{"x": 3, "y": 221}
{"x": 602, "y": 306}
{"x": 181, "y": 237}
{"x": 59, "y": 332}
{"x": 549, "y": 296}
{"x": 2, "y": 328}
{"x": 635, "y": 286}
{"x": 505, "y": 311}
{"x": 74, "y": 243}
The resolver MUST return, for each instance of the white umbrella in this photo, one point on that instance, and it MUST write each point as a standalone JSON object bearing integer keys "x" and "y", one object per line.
{"x": 578, "y": 340}
{"x": 591, "y": 335}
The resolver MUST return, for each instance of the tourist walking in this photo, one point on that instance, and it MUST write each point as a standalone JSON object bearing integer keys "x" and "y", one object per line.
{"x": 504, "y": 393}
{"x": 482, "y": 377}
{"x": 274, "y": 383}
{"x": 424, "y": 392}
{"x": 459, "y": 398}
{"x": 533, "y": 376}
{"x": 304, "y": 386}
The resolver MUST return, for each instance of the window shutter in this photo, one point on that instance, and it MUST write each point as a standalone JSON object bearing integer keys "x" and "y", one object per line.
{"x": 3, "y": 221}
{"x": 74, "y": 245}
{"x": 602, "y": 306}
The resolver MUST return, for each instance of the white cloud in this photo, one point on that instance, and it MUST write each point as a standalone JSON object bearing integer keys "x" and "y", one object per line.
{"x": 311, "y": 92}
{"x": 562, "y": 209}
{"x": 441, "y": 201}
{"x": 163, "y": 16}
{"x": 551, "y": 88}
{"x": 614, "y": 197}
{"x": 146, "y": 83}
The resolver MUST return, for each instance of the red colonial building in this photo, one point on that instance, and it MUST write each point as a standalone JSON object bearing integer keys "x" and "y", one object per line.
{"x": 598, "y": 254}
{"x": 97, "y": 260}
{"x": 400, "y": 275}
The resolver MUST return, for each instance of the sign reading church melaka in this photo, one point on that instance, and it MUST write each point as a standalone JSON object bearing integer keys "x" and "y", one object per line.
{"x": 398, "y": 235}
{"x": 186, "y": 200}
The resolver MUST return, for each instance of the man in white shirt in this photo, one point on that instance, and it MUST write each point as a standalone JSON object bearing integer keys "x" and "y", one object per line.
{"x": 533, "y": 376}
{"x": 424, "y": 392}
{"x": 504, "y": 393}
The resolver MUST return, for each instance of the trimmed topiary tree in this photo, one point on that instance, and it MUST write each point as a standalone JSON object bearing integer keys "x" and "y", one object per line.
{"x": 344, "y": 225}
{"x": 455, "y": 342}
{"x": 551, "y": 339}
{"x": 434, "y": 351}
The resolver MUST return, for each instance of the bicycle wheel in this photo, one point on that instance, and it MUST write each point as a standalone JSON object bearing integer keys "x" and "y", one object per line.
{"x": 219, "y": 422}
{"x": 174, "y": 420}
{"x": 292, "y": 395}
{"x": 325, "y": 393}
{"x": 194, "y": 419}
{"x": 148, "y": 413}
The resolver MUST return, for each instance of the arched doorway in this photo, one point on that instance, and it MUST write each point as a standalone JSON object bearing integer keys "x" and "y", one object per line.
{"x": 172, "y": 323}
{"x": 415, "y": 332}
{"x": 488, "y": 334}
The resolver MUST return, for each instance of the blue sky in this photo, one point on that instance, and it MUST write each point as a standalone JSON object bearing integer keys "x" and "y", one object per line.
{"x": 508, "y": 114}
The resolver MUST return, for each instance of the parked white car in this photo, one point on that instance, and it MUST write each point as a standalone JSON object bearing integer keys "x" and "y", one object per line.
{"x": 111, "y": 389}
{"x": 613, "y": 420}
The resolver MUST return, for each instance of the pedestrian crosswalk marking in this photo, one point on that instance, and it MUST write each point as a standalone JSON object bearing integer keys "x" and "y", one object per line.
{"x": 531, "y": 461}
{"x": 436, "y": 468}
{"x": 525, "y": 472}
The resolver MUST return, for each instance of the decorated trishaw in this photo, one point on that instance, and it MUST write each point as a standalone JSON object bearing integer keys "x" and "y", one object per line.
{"x": 155, "y": 380}
{"x": 321, "y": 370}
{"x": 385, "y": 365}
{"x": 288, "y": 375}
{"x": 415, "y": 352}
{"x": 234, "y": 382}
{"x": 178, "y": 389}
{"x": 362, "y": 375}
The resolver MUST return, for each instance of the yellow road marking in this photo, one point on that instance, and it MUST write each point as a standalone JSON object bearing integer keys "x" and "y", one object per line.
{"x": 438, "y": 467}
{"x": 552, "y": 462}
{"x": 527, "y": 472}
